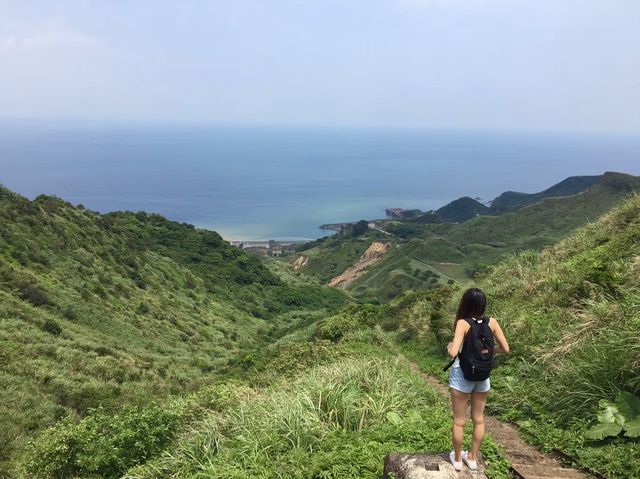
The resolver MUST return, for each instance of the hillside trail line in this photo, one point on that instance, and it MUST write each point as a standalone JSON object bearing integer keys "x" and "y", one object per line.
{"x": 527, "y": 462}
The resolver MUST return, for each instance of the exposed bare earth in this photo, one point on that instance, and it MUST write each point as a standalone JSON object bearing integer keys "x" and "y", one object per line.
{"x": 301, "y": 262}
{"x": 375, "y": 252}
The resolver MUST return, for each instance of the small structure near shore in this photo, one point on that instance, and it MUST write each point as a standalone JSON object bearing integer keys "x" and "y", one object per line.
{"x": 268, "y": 247}
{"x": 427, "y": 466}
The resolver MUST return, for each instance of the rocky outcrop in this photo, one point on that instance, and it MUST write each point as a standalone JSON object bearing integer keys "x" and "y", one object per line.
{"x": 374, "y": 253}
{"x": 427, "y": 466}
{"x": 402, "y": 213}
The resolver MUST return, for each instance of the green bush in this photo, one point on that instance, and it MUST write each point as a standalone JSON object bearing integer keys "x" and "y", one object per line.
{"x": 292, "y": 357}
{"x": 34, "y": 294}
{"x": 102, "y": 444}
{"x": 51, "y": 327}
{"x": 349, "y": 320}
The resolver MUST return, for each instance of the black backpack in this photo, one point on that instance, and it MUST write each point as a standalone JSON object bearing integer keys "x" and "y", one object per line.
{"x": 476, "y": 357}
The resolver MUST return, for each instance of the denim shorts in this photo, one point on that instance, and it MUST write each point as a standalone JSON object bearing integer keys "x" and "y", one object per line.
{"x": 458, "y": 382}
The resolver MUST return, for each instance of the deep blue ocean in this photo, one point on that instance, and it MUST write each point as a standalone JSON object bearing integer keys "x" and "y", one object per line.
{"x": 282, "y": 183}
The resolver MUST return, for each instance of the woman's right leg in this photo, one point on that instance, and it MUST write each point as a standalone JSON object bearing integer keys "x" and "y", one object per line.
{"x": 478, "y": 402}
{"x": 459, "y": 401}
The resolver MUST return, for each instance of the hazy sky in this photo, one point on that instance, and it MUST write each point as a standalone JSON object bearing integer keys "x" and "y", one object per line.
{"x": 470, "y": 64}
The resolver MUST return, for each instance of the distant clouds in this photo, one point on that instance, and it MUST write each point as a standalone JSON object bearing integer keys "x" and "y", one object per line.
{"x": 462, "y": 64}
{"x": 53, "y": 33}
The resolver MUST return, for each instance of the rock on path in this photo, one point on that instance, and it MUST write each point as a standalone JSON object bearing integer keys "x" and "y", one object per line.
{"x": 427, "y": 466}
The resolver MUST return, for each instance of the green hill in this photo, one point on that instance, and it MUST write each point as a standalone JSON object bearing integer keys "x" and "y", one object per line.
{"x": 122, "y": 308}
{"x": 449, "y": 251}
{"x": 462, "y": 209}
{"x": 513, "y": 200}
{"x": 465, "y": 208}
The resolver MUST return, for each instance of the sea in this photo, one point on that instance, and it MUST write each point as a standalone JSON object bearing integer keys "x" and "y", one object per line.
{"x": 258, "y": 183}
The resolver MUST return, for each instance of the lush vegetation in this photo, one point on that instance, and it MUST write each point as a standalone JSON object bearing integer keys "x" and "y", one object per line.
{"x": 306, "y": 406}
{"x": 332, "y": 255}
{"x": 139, "y": 347}
{"x": 118, "y": 309}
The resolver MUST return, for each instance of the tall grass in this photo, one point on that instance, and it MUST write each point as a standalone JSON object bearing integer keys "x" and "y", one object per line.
{"x": 572, "y": 313}
{"x": 284, "y": 430}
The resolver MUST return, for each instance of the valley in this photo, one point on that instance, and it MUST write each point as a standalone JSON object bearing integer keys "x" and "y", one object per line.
{"x": 137, "y": 347}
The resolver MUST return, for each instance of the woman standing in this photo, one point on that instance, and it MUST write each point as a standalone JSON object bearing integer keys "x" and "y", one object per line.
{"x": 470, "y": 316}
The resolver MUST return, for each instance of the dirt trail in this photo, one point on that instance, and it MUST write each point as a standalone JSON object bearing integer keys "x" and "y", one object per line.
{"x": 375, "y": 252}
{"x": 527, "y": 462}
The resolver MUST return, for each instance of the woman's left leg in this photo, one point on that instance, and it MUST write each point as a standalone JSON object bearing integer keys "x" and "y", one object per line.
{"x": 459, "y": 401}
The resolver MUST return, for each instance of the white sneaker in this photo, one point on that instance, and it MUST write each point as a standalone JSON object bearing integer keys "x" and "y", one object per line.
{"x": 471, "y": 464}
{"x": 457, "y": 465}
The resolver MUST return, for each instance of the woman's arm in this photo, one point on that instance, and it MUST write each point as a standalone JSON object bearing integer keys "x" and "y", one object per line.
{"x": 499, "y": 335}
{"x": 461, "y": 329}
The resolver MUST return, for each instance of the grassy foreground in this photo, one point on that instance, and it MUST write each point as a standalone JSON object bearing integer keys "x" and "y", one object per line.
{"x": 310, "y": 408}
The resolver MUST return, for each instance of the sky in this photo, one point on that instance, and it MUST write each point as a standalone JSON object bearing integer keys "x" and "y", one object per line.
{"x": 544, "y": 65}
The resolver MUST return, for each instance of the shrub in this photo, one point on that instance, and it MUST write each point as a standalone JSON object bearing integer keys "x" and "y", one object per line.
{"x": 289, "y": 358}
{"x": 51, "y": 327}
{"x": 33, "y": 294}
{"x": 70, "y": 313}
{"x": 142, "y": 308}
{"x": 102, "y": 444}
{"x": 336, "y": 327}
{"x": 349, "y": 320}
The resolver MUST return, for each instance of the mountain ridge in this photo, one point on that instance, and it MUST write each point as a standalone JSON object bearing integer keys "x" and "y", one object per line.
{"x": 465, "y": 208}
{"x": 432, "y": 253}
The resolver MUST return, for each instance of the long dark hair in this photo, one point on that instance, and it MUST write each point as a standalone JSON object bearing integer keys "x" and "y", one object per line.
{"x": 472, "y": 305}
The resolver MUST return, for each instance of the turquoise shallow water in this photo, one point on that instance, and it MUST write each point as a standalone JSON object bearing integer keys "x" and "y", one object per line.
{"x": 259, "y": 183}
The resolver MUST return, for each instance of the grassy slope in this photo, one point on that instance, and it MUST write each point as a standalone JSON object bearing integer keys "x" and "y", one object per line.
{"x": 512, "y": 200}
{"x": 571, "y": 315}
{"x": 122, "y": 308}
{"x": 458, "y": 250}
{"x": 333, "y": 256}
{"x": 329, "y": 401}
